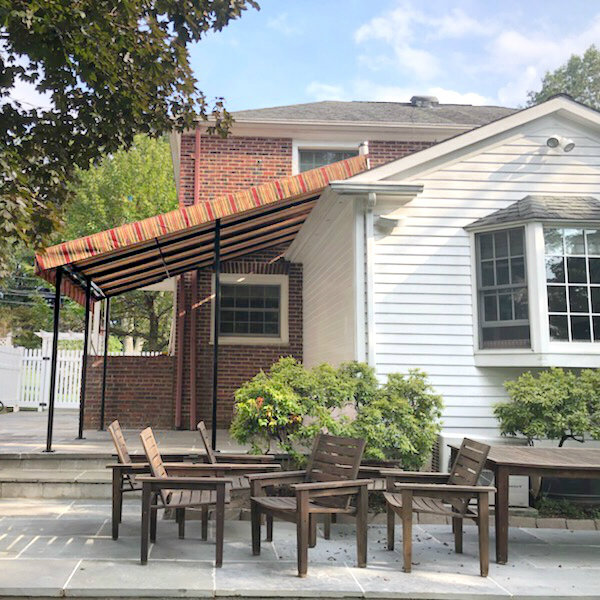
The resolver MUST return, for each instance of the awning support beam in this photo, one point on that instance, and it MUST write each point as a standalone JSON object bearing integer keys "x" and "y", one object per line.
{"x": 53, "y": 364}
{"x": 105, "y": 361}
{"x": 217, "y": 325}
{"x": 84, "y": 357}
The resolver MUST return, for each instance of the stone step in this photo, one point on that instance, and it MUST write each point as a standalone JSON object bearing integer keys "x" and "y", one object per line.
{"x": 54, "y": 462}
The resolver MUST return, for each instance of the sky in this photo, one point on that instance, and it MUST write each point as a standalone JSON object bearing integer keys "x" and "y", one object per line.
{"x": 462, "y": 51}
{"x": 471, "y": 51}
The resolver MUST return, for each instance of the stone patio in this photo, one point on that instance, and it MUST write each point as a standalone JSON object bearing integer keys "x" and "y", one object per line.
{"x": 51, "y": 548}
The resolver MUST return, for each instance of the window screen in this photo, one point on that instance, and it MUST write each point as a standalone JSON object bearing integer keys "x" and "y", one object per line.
{"x": 311, "y": 159}
{"x": 252, "y": 310}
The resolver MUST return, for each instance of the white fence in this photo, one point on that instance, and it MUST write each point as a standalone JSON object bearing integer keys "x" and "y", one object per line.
{"x": 27, "y": 373}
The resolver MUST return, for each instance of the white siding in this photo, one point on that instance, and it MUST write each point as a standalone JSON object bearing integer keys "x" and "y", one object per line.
{"x": 422, "y": 271}
{"x": 328, "y": 283}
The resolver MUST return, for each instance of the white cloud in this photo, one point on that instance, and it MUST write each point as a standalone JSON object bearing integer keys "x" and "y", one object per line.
{"x": 457, "y": 24}
{"x": 281, "y": 23}
{"x": 324, "y": 91}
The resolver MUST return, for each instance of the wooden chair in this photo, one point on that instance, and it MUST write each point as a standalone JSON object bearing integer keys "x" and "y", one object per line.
{"x": 447, "y": 494}
{"x": 326, "y": 487}
{"x": 167, "y": 490}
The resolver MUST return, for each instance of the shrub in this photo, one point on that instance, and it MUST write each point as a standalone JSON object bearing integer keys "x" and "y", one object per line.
{"x": 290, "y": 405}
{"x": 554, "y": 404}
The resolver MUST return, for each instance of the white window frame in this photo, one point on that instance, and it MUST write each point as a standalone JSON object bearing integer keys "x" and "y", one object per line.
{"x": 298, "y": 145}
{"x": 543, "y": 351}
{"x": 255, "y": 340}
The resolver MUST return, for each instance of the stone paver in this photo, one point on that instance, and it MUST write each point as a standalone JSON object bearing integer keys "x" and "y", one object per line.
{"x": 68, "y": 551}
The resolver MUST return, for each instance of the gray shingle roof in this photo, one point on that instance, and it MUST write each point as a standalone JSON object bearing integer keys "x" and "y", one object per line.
{"x": 544, "y": 208}
{"x": 378, "y": 112}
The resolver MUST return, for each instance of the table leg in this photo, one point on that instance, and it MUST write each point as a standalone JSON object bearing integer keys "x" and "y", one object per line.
{"x": 117, "y": 499}
{"x": 146, "y": 494}
{"x": 220, "y": 524}
{"x": 501, "y": 514}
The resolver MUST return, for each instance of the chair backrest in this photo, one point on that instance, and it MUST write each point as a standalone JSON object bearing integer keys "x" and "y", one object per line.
{"x": 467, "y": 468}
{"x": 157, "y": 467}
{"x": 334, "y": 458}
{"x": 210, "y": 453}
{"x": 119, "y": 441}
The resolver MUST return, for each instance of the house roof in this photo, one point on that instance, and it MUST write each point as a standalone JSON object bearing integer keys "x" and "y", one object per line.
{"x": 139, "y": 254}
{"x": 377, "y": 112}
{"x": 544, "y": 208}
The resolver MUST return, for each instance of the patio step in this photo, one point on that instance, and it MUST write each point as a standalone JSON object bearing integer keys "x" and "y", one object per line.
{"x": 55, "y": 476}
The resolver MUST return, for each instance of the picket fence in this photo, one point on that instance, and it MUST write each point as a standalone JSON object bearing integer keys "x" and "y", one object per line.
{"x": 34, "y": 378}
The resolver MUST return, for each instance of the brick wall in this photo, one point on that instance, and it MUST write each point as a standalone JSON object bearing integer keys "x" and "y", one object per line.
{"x": 139, "y": 391}
{"x": 384, "y": 152}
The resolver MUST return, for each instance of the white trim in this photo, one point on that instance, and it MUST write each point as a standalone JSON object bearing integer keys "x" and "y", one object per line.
{"x": 299, "y": 144}
{"x": 445, "y": 151}
{"x": 254, "y": 279}
{"x": 370, "y": 285}
{"x": 359, "y": 281}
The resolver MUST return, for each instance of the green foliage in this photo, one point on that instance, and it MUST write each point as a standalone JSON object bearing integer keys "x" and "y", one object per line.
{"x": 549, "y": 507}
{"x": 109, "y": 70}
{"x": 554, "y": 404}
{"x": 579, "y": 77}
{"x": 291, "y": 404}
{"x": 402, "y": 420}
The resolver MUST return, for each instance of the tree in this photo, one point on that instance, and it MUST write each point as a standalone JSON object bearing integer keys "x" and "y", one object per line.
{"x": 111, "y": 70}
{"x": 579, "y": 77}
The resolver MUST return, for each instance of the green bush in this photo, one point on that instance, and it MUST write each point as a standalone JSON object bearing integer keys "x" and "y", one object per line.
{"x": 290, "y": 405}
{"x": 554, "y": 404}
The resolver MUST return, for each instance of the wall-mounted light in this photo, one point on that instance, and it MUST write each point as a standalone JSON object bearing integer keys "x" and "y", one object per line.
{"x": 558, "y": 141}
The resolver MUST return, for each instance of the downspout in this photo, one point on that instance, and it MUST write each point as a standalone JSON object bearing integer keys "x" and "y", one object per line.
{"x": 369, "y": 245}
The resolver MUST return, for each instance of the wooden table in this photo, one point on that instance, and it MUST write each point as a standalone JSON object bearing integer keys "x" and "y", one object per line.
{"x": 580, "y": 463}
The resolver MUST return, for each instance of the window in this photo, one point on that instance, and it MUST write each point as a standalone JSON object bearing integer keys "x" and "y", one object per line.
{"x": 311, "y": 159}
{"x": 250, "y": 310}
{"x": 502, "y": 289}
{"x": 254, "y": 309}
{"x": 573, "y": 283}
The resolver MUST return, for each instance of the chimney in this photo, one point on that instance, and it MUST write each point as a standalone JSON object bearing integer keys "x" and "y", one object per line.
{"x": 424, "y": 101}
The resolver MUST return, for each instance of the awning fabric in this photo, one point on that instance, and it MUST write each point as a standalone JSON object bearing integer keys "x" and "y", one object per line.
{"x": 138, "y": 254}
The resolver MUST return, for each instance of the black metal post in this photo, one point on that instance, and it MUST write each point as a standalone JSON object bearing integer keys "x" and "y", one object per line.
{"x": 53, "y": 365}
{"x": 106, "y": 335}
{"x": 84, "y": 357}
{"x": 216, "y": 330}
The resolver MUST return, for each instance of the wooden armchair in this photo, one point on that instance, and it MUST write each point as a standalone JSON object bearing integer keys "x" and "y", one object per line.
{"x": 446, "y": 494}
{"x": 326, "y": 487}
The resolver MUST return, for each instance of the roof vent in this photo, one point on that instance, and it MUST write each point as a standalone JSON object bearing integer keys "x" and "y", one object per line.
{"x": 424, "y": 101}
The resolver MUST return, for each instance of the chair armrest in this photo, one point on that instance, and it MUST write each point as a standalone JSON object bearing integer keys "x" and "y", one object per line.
{"x": 330, "y": 485}
{"x": 131, "y": 468}
{"x": 445, "y": 488}
{"x": 220, "y": 467}
{"x": 417, "y": 475}
{"x": 283, "y": 476}
{"x": 182, "y": 482}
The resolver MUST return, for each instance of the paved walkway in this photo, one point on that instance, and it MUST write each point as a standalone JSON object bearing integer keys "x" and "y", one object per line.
{"x": 25, "y": 432}
{"x": 63, "y": 548}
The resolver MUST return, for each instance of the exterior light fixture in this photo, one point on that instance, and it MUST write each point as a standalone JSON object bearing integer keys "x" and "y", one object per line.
{"x": 558, "y": 141}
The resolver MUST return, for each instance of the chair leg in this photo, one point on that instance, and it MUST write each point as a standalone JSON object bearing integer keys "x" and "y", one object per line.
{"x": 121, "y": 507}
{"x": 327, "y": 527}
{"x": 116, "y": 494}
{"x": 362, "y": 511}
{"x": 407, "y": 529}
{"x": 204, "y": 526}
{"x": 302, "y": 532}
{"x": 391, "y": 518}
{"x": 312, "y": 531}
{"x": 153, "y": 519}
{"x": 457, "y": 527}
{"x": 219, "y": 526}
{"x": 255, "y": 514}
{"x": 483, "y": 511}
{"x": 146, "y": 510}
{"x": 180, "y": 516}
{"x": 269, "y": 528}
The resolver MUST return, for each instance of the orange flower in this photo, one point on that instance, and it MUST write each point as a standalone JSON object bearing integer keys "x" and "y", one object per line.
{"x": 259, "y": 401}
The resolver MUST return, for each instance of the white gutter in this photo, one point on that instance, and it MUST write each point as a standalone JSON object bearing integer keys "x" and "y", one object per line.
{"x": 387, "y": 188}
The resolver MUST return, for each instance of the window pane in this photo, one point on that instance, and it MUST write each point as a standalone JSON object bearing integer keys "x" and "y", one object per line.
{"x": 501, "y": 244}
{"x": 595, "y": 299}
{"x": 578, "y": 299}
{"x": 487, "y": 273}
{"x": 574, "y": 241}
{"x": 505, "y": 307}
{"x": 553, "y": 241}
{"x": 516, "y": 242}
{"x": 502, "y": 272}
{"x": 517, "y": 270}
{"x": 593, "y": 241}
{"x": 576, "y": 272}
{"x": 580, "y": 329}
{"x": 596, "y": 321}
{"x": 520, "y": 302}
{"x": 555, "y": 269}
{"x": 557, "y": 298}
{"x": 594, "y": 266}
{"x": 506, "y": 336}
{"x": 486, "y": 245}
{"x": 558, "y": 328}
{"x": 490, "y": 310}
{"x": 311, "y": 159}
{"x": 226, "y": 327}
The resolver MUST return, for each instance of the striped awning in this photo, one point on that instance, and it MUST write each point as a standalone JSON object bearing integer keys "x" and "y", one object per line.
{"x": 139, "y": 254}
